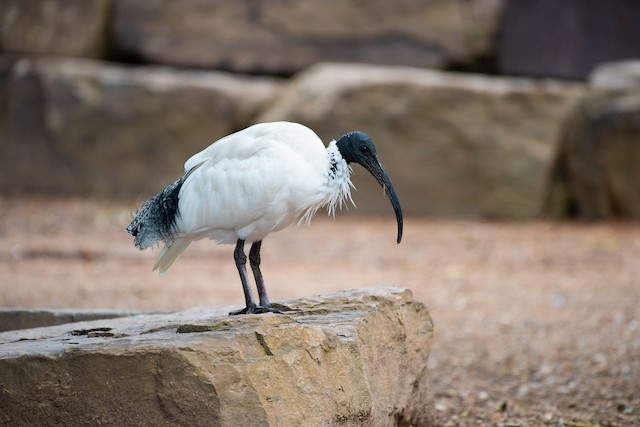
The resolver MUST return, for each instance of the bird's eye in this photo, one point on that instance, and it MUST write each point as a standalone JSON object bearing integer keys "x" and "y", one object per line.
{"x": 364, "y": 149}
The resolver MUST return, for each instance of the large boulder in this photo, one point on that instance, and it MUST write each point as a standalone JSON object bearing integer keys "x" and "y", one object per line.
{"x": 283, "y": 37}
{"x": 79, "y": 126}
{"x": 348, "y": 359}
{"x": 598, "y": 173}
{"x": 454, "y": 145}
{"x": 26, "y": 157}
{"x": 55, "y": 27}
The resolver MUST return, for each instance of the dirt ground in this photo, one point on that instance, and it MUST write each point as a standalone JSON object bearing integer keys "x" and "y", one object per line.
{"x": 536, "y": 323}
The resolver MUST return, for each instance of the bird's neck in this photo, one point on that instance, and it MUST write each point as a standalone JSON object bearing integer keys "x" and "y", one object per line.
{"x": 336, "y": 188}
{"x": 338, "y": 181}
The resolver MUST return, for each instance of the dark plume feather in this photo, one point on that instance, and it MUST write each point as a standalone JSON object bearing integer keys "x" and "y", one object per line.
{"x": 155, "y": 221}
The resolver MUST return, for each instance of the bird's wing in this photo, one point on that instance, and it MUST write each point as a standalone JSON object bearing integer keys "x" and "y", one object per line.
{"x": 245, "y": 143}
{"x": 257, "y": 178}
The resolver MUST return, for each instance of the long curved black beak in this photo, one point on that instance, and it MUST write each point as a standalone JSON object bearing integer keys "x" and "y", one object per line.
{"x": 375, "y": 168}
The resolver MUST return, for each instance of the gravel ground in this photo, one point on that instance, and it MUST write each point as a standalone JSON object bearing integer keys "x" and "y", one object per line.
{"x": 536, "y": 323}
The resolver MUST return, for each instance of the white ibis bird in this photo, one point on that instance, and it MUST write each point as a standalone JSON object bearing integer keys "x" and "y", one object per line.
{"x": 252, "y": 183}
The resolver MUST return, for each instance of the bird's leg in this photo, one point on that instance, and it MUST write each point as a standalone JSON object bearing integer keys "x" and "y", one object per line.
{"x": 254, "y": 261}
{"x": 241, "y": 264}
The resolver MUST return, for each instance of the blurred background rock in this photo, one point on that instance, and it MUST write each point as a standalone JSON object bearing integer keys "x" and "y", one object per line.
{"x": 485, "y": 109}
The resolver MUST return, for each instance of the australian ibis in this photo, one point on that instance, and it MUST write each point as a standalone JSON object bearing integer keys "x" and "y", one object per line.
{"x": 252, "y": 183}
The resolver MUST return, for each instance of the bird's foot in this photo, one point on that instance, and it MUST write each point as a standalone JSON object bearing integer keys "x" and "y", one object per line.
{"x": 256, "y": 309}
{"x": 284, "y": 308}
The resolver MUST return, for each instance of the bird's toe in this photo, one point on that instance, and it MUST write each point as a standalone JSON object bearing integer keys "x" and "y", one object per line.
{"x": 246, "y": 310}
{"x": 256, "y": 309}
{"x": 266, "y": 309}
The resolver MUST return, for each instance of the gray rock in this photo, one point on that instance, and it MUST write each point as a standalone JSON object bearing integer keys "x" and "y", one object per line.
{"x": 352, "y": 358}
{"x": 13, "y": 319}
{"x": 27, "y": 158}
{"x": 54, "y": 27}
{"x": 283, "y": 37}
{"x": 117, "y": 130}
{"x": 619, "y": 75}
{"x": 454, "y": 145}
{"x": 599, "y": 157}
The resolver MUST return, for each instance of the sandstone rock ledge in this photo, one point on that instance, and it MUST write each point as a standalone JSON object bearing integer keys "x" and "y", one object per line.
{"x": 347, "y": 359}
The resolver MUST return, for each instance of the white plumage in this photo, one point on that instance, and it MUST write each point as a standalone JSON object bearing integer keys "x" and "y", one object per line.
{"x": 251, "y": 183}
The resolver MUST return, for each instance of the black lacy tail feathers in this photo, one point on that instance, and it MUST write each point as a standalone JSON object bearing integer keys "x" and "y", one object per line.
{"x": 155, "y": 221}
